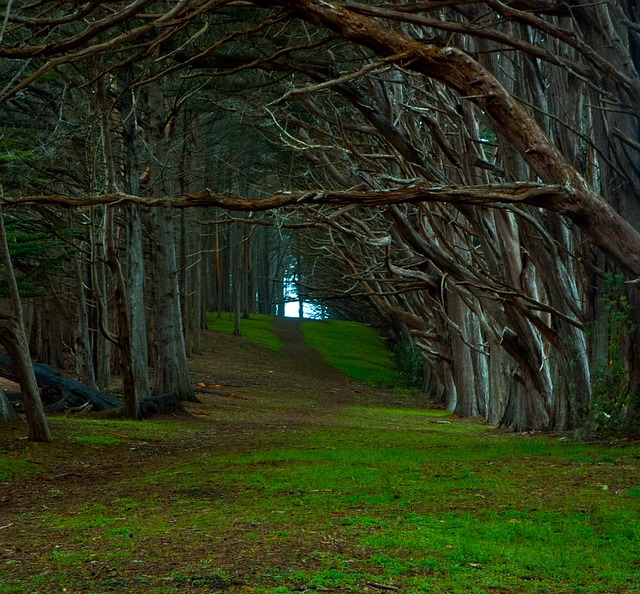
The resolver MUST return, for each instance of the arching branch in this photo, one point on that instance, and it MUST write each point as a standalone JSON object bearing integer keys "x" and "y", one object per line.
{"x": 555, "y": 198}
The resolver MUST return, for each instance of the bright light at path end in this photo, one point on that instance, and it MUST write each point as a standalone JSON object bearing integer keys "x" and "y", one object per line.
{"x": 310, "y": 310}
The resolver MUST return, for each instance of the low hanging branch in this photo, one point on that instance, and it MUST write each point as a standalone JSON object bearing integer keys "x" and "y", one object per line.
{"x": 551, "y": 197}
{"x": 598, "y": 220}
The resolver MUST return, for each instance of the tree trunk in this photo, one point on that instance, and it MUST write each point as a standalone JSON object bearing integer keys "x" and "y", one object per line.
{"x": 7, "y": 412}
{"x": 130, "y": 383}
{"x": 137, "y": 303}
{"x": 83, "y": 352}
{"x": 183, "y": 249}
{"x": 468, "y": 374}
{"x": 171, "y": 373}
{"x": 14, "y": 340}
{"x": 46, "y": 340}
{"x": 59, "y": 389}
{"x": 102, "y": 338}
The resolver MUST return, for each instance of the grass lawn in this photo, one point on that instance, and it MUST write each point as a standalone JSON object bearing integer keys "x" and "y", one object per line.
{"x": 428, "y": 506}
{"x": 355, "y": 349}
{"x": 257, "y": 328}
{"x": 252, "y": 496}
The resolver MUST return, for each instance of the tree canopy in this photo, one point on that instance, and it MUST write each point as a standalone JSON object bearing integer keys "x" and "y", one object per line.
{"x": 469, "y": 169}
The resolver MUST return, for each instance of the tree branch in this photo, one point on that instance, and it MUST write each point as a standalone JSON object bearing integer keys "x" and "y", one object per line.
{"x": 459, "y": 71}
{"x": 551, "y": 197}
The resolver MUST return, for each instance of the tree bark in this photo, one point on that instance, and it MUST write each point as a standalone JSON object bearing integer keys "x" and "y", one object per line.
{"x": 83, "y": 352}
{"x": 7, "y": 412}
{"x": 14, "y": 340}
{"x": 171, "y": 373}
{"x": 136, "y": 292}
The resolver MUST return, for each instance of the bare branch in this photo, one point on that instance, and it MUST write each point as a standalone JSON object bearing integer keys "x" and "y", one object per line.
{"x": 342, "y": 79}
{"x": 535, "y": 194}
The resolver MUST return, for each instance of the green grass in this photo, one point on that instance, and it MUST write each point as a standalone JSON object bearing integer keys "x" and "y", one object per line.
{"x": 258, "y": 328}
{"x": 472, "y": 515}
{"x": 423, "y": 507}
{"x": 98, "y": 439}
{"x": 89, "y": 433}
{"x": 94, "y": 431}
{"x": 12, "y": 469}
{"x": 372, "y": 497}
{"x": 355, "y": 349}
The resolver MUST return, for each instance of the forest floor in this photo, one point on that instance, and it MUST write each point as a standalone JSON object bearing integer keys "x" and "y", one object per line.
{"x": 289, "y": 477}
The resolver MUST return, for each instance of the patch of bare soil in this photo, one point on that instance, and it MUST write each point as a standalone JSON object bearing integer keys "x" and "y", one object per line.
{"x": 246, "y": 391}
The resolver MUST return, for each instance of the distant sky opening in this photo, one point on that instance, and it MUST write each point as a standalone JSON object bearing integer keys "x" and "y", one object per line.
{"x": 310, "y": 310}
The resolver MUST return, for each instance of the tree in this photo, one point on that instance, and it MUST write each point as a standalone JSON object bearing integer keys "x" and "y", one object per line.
{"x": 435, "y": 149}
{"x": 14, "y": 340}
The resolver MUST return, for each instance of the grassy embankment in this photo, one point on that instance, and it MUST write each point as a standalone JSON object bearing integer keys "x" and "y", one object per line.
{"x": 355, "y": 349}
{"x": 258, "y": 328}
{"x": 373, "y": 500}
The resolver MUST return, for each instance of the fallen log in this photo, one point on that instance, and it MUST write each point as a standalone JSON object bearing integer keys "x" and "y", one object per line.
{"x": 58, "y": 391}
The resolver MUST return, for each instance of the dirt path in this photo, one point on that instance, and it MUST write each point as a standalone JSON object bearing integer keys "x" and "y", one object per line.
{"x": 305, "y": 369}
{"x": 250, "y": 395}
{"x": 251, "y": 391}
